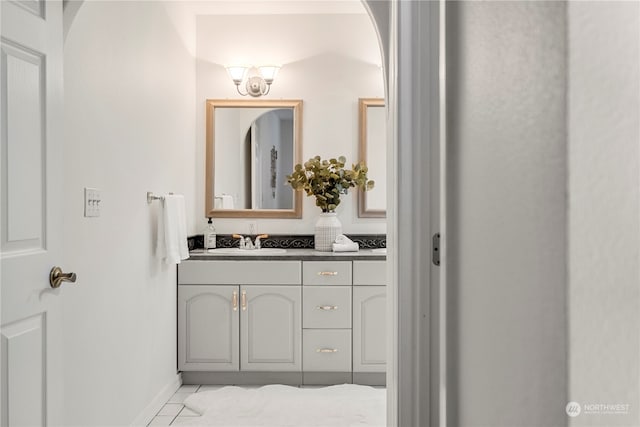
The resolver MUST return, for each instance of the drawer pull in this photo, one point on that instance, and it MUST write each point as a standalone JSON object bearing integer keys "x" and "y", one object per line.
{"x": 327, "y": 273}
{"x": 244, "y": 301}
{"x": 234, "y": 301}
{"x": 326, "y": 307}
{"x": 327, "y": 350}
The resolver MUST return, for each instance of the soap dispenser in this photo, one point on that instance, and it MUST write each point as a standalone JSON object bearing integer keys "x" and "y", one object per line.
{"x": 210, "y": 235}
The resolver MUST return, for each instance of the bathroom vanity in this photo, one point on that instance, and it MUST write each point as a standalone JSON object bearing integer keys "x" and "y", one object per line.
{"x": 291, "y": 317}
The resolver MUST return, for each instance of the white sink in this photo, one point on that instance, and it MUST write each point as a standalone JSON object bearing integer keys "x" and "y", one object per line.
{"x": 379, "y": 251}
{"x": 238, "y": 251}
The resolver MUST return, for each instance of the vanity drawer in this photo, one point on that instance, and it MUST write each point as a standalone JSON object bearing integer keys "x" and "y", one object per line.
{"x": 337, "y": 273}
{"x": 326, "y": 307}
{"x": 370, "y": 273}
{"x": 239, "y": 273}
{"x": 326, "y": 350}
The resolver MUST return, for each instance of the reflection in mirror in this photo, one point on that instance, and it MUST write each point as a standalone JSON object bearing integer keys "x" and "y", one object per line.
{"x": 251, "y": 147}
{"x": 373, "y": 151}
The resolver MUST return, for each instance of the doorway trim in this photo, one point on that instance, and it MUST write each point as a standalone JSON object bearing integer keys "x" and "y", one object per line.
{"x": 410, "y": 36}
{"x": 414, "y": 78}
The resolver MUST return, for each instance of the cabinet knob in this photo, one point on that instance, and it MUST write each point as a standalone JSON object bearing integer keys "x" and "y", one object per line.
{"x": 244, "y": 301}
{"x": 327, "y": 350}
{"x": 234, "y": 301}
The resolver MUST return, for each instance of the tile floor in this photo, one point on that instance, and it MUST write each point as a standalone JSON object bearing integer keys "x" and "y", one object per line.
{"x": 173, "y": 412}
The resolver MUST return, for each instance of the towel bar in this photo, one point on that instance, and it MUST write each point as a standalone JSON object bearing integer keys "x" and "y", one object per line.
{"x": 151, "y": 197}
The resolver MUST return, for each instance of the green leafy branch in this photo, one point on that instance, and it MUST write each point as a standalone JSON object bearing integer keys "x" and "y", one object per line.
{"x": 328, "y": 179}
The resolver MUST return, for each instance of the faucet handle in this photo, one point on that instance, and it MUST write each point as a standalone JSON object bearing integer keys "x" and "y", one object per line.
{"x": 258, "y": 243}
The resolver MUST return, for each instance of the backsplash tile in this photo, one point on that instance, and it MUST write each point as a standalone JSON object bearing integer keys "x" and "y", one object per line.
{"x": 297, "y": 241}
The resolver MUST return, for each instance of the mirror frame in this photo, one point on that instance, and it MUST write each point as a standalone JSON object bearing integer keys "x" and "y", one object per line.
{"x": 211, "y": 105}
{"x": 363, "y": 105}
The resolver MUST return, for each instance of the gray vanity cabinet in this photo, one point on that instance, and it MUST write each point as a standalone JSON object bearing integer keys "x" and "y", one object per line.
{"x": 239, "y": 316}
{"x": 369, "y": 329}
{"x": 369, "y": 316}
{"x": 208, "y": 328}
{"x": 289, "y": 321}
{"x": 270, "y": 332}
{"x": 326, "y": 335}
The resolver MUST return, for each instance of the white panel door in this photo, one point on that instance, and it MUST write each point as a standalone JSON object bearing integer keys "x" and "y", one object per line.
{"x": 30, "y": 215}
{"x": 208, "y": 328}
{"x": 270, "y": 328}
{"x": 369, "y": 328}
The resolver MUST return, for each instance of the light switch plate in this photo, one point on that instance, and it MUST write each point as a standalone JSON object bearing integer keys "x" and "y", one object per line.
{"x": 92, "y": 201}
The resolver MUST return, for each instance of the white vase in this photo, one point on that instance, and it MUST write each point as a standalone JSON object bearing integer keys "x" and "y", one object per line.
{"x": 328, "y": 227}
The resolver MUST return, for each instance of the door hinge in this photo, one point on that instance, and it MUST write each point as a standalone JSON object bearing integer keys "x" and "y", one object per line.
{"x": 435, "y": 257}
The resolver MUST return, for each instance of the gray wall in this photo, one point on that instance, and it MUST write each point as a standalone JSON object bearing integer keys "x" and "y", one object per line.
{"x": 507, "y": 224}
{"x": 604, "y": 211}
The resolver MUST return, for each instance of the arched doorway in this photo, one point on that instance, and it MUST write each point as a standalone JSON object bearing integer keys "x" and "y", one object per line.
{"x": 376, "y": 9}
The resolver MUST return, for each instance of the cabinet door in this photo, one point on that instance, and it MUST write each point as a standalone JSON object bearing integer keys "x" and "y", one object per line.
{"x": 369, "y": 328}
{"x": 208, "y": 328}
{"x": 271, "y": 330}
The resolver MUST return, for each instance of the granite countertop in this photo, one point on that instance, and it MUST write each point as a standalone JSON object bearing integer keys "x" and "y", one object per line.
{"x": 289, "y": 254}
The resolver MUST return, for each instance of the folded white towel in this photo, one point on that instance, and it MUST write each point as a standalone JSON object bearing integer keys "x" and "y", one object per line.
{"x": 344, "y": 244}
{"x": 345, "y": 247}
{"x": 341, "y": 239}
{"x": 172, "y": 230}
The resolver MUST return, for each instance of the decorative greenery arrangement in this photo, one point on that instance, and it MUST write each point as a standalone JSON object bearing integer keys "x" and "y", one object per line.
{"x": 328, "y": 179}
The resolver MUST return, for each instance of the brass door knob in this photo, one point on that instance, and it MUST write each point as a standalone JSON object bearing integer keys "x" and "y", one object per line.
{"x": 57, "y": 276}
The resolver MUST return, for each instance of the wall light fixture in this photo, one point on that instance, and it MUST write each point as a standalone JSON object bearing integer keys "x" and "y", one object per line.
{"x": 257, "y": 79}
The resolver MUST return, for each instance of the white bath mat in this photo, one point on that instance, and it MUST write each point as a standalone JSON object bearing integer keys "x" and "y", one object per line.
{"x": 285, "y": 406}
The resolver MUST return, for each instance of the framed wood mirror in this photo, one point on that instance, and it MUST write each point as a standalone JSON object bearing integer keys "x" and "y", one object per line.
{"x": 251, "y": 145}
{"x": 373, "y": 151}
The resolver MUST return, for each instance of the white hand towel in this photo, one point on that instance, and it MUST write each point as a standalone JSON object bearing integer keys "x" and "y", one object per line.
{"x": 225, "y": 201}
{"x": 172, "y": 230}
{"x": 345, "y": 244}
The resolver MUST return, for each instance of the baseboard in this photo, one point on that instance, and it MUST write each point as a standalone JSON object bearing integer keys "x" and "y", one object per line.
{"x": 241, "y": 378}
{"x": 145, "y": 417}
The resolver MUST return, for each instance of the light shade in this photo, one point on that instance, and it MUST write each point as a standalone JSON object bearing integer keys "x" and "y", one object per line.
{"x": 269, "y": 72}
{"x": 237, "y": 73}
{"x": 257, "y": 80}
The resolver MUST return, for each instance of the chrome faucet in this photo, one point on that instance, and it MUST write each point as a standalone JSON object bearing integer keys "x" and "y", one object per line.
{"x": 246, "y": 243}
